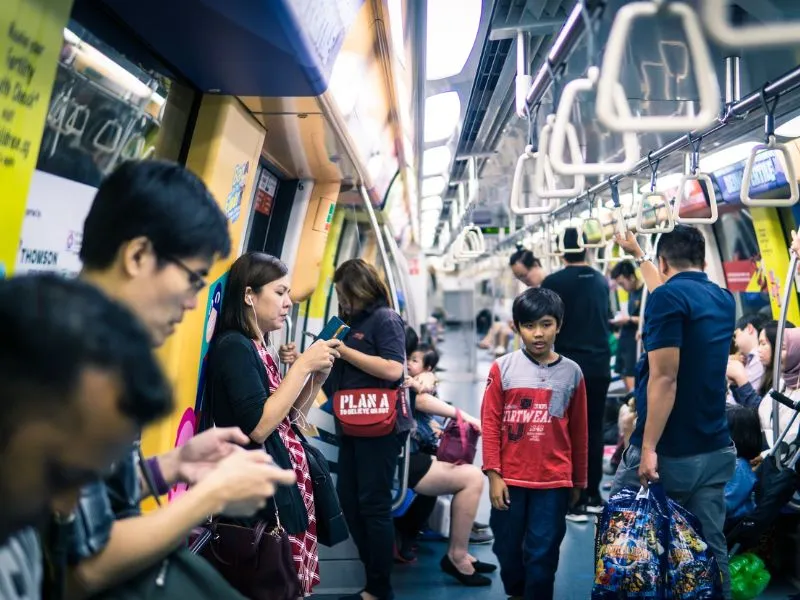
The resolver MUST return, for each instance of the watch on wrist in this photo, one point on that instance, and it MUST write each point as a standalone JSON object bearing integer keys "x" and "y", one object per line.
{"x": 643, "y": 258}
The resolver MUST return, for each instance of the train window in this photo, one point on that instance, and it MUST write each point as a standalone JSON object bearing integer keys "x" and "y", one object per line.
{"x": 104, "y": 109}
{"x": 738, "y": 246}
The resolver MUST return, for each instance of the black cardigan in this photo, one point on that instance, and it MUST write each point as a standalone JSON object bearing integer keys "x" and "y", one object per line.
{"x": 236, "y": 389}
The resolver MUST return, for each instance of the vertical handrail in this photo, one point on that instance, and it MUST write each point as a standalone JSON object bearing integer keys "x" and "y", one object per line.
{"x": 777, "y": 367}
{"x": 387, "y": 268}
{"x": 289, "y": 330}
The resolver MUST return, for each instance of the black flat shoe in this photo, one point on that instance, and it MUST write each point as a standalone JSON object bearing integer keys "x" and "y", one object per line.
{"x": 482, "y": 567}
{"x": 474, "y": 580}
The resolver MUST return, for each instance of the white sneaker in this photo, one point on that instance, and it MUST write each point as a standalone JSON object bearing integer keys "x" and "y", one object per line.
{"x": 577, "y": 517}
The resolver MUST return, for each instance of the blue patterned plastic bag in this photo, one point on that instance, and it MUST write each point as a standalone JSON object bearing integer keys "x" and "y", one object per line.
{"x": 692, "y": 571}
{"x": 631, "y": 546}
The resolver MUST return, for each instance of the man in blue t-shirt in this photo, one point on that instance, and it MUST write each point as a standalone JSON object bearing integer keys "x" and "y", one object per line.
{"x": 681, "y": 437}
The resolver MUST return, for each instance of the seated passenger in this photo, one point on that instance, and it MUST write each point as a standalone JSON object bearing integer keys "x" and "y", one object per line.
{"x": 149, "y": 241}
{"x": 746, "y": 338}
{"x": 429, "y": 477}
{"x": 245, "y": 390}
{"x": 78, "y": 381}
{"x": 746, "y": 434}
{"x": 790, "y": 387}
{"x": 535, "y": 447}
{"x": 743, "y": 392}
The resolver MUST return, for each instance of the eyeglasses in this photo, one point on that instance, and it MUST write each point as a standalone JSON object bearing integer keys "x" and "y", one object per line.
{"x": 196, "y": 280}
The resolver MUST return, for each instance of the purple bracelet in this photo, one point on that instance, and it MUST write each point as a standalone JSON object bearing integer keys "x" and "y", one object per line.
{"x": 158, "y": 478}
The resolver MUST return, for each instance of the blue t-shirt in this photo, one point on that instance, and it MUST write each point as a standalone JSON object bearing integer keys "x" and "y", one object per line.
{"x": 691, "y": 313}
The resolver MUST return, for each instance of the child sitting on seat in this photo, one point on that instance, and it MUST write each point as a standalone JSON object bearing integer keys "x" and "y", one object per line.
{"x": 745, "y": 429}
{"x": 535, "y": 446}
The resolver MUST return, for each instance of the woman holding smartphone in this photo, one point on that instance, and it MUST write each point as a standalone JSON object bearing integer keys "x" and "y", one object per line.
{"x": 245, "y": 390}
{"x": 373, "y": 357}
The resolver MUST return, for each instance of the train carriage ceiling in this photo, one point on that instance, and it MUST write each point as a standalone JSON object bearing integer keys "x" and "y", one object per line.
{"x": 657, "y": 75}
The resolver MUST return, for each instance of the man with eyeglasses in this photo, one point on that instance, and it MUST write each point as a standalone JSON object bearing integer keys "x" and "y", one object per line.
{"x": 149, "y": 241}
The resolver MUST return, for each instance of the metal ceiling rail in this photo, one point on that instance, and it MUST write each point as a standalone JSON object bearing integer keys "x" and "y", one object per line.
{"x": 784, "y": 84}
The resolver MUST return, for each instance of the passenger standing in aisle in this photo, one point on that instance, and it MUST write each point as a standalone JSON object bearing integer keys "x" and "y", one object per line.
{"x": 681, "y": 437}
{"x": 624, "y": 273}
{"x": 534, "y": 447}
{"x": 372, "y": 356}
{"x": 584, "y": 339}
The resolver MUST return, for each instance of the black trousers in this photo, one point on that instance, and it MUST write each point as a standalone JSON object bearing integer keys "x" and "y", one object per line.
{"x": 596, "y": 393}
{"x": 366, "y": 473}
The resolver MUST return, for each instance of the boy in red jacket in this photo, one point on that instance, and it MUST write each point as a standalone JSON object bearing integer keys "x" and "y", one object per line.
{"x": 534, "y": 447}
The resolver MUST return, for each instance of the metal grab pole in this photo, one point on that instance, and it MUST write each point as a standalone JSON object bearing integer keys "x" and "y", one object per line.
{"x": 387, "y": 268}
{"x": 289, "y": 338}
{"x": 777, "y": 350}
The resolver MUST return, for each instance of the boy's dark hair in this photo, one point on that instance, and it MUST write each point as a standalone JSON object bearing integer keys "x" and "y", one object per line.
{"x": 55, "y": 328}
{"x": 526, "y": 257}
{"x": 683, "y": 248}
{"x": 623, "y": 269}
{"x": 745, "y": 429}
{"x": 535, "y": 303}
{"x": 160, "y": 200}
{"x": 571, "y": 243}
{"x": 430, "y": 357}
{"x": 757, "y": 320}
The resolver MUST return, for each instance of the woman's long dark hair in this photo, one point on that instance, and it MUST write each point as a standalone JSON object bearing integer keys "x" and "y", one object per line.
{"x": 771, "y": 332}
{"x": 254, "y": 270}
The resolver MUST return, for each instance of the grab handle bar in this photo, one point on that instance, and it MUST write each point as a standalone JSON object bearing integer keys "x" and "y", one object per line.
{"x": 516, "y": 189}
{"x": 613, "y": 58}
{"x": 682, "y": 195}
{"x": 715, "y": 19}
{"x": 744, "y": 193}
{"x": 544, "y": 178}
{"x": 563, "y": 249}
{"x": 563, "y": 130}
{"x": 651, "y": 198}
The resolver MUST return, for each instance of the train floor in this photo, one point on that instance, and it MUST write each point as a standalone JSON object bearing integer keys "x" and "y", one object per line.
{"x": 424, "y": 580}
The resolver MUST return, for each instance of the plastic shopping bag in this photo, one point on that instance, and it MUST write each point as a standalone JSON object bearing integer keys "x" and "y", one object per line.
{"x": 692, "y": 570}
{"x": 631, "y": 546}
{"x": 749, "y": 576}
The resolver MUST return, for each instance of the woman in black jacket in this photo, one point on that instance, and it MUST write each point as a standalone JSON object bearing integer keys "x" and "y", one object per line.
{"x": 245, "y": 390}
{"x": 373, "y": 357}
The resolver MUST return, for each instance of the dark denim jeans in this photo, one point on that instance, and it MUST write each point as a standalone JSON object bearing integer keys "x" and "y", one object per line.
{"x": 527, "y": 540}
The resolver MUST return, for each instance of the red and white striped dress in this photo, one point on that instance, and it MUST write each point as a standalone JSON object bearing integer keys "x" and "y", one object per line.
{"x": 304, "y": 545}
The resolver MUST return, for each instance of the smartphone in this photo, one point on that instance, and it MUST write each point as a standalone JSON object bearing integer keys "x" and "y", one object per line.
{"x": 334, "y": 329}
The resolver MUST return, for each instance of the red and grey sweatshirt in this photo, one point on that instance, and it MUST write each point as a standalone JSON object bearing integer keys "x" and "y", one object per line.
{"x": 533, "y": 417}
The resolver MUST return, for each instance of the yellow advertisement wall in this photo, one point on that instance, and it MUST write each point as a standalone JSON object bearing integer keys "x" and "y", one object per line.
{"x": 30, "y": 42}
{"x": 224, "y": 152}
{"x": 319, "y": 217}
{"x": 774, "y": 259}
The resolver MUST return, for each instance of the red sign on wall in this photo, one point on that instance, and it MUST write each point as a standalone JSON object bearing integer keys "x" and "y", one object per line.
{"x": 738, "y": 274}
{"x": 265, "y": 192}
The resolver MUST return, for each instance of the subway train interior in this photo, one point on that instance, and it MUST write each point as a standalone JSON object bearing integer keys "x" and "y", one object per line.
{"x": 432, "y": 139}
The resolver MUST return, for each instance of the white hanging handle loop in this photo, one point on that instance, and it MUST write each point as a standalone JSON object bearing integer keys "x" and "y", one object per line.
{"x": 656, "y": 200}
{"x": 516, "y": 189}
{"x": 582, "y": 229}
{"x": 693, "y": 175}
{"x": 551, "y": 238}
{"x": 113, "y": 130}
{"x": 707, "y": 86}
{"x": 544, "y": 178}
{"x": 77, "y": 120}
{"x": 563, "y": 130}
{"x": 715, "y": 18}
{"x": 771, "y": 144}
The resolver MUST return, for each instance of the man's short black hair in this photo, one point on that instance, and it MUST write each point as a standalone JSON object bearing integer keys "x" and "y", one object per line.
{"x": 623, "y": 269}
{"x": 757, "y": 320}
{"x": 535, "y": 303}
{"x": 571, "y": 243}
{"x": 683, "y": 248}
{"x": 745, "y": 429}
{"x": 55, "y": 328}
{"x": 526, "y": 257}
{"x": 430, "y": 357}
{"x": 161, "y": 200}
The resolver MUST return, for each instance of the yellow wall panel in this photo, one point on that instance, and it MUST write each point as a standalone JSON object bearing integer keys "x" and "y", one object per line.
{"x": 31, "y": 39}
